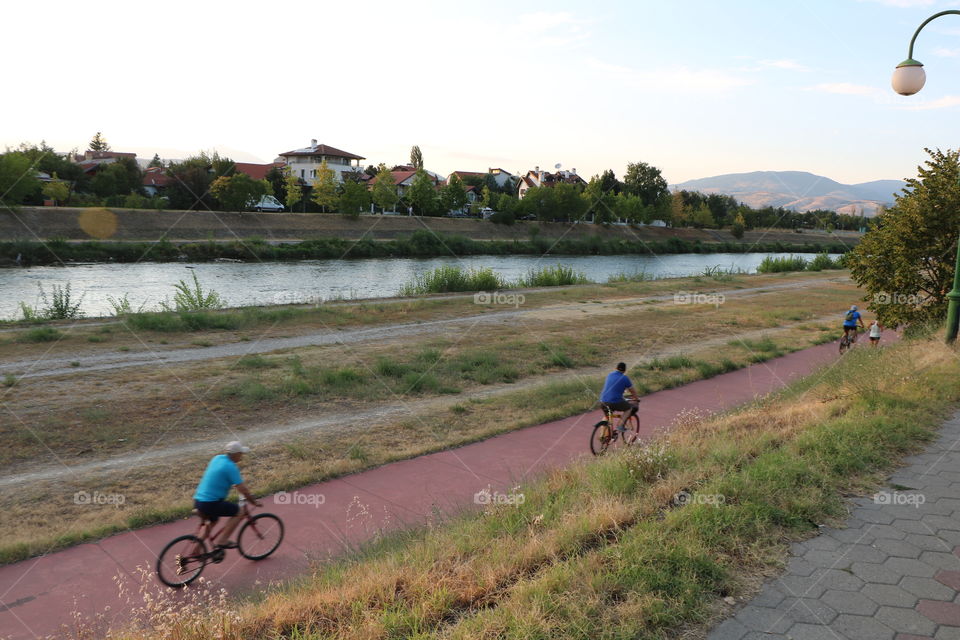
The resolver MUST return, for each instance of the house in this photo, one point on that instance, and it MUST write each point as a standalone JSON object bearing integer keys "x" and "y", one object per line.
{"x": 403, "y": 180}
{"x": 256, "y": 171}
{"x": 91, "y": 161}
{"x": 500, "y": 176}
{"x": 155, "y": 180}
{"x": 305, "y": 162}
{"x": 538, "y": 178}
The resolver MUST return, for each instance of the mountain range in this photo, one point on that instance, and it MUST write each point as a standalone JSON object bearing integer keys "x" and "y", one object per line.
{"x": 798, "y": 190}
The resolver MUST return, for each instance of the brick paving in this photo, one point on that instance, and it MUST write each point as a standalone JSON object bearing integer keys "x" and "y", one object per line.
{"x": 892, "y": 573}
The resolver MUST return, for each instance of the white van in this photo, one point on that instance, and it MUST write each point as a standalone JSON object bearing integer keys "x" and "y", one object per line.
{"x": 486, "y": 212}
{"x": 266, "y": 203}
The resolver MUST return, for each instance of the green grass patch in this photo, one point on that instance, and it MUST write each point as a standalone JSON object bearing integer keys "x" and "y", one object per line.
{"x": 41, "y": 334}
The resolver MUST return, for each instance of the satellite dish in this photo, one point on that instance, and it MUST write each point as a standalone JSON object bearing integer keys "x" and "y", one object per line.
{"x": 556, "y": 166}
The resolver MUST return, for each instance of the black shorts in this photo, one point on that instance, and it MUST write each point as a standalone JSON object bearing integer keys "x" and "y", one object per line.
{"x": 213, "y": 510}
{"x": 874, "y": 338}
{"x": 622, "y": 405}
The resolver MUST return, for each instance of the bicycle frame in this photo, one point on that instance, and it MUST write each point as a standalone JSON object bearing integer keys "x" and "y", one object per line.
{"x": 204, "y": 528}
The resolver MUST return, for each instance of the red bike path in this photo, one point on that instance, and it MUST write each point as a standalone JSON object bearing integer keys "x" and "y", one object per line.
{"x": 39, "y": 596}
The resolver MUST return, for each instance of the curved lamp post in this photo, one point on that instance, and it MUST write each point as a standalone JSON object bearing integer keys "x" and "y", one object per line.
{"x": 908, "y": 78}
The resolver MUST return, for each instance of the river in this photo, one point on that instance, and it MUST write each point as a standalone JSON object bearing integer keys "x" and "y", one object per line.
{"x": 241, "y": 284}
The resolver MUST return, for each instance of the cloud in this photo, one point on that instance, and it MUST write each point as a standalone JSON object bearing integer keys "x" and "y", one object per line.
{"x": 944, "y": 52}
{"x": 675, "y": 78}
{"x": 791, "y": 65}
{"x": 556, "y": 29}
{"x": 940, "y": 103}
{"x": 846, "y": 88}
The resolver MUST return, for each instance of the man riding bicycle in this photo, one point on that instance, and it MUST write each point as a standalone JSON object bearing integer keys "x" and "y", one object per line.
{"x": 850, "y": 320}
{"x": 210, "y": 498}
{"x": 611, "y": 398}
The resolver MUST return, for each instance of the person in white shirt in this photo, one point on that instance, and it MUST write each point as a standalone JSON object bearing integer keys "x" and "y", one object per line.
{"x": 875, "y": 329}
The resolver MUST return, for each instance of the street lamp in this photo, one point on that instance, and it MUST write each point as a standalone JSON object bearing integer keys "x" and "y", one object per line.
{"x": 908, "y": 78}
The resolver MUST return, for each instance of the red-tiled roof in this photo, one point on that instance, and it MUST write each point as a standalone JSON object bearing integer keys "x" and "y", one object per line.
{"x": 398, "y": 176}
{"x": 256, "y": 171}
{"x": 323, "y": 150}
{"x": 155, "y": 177}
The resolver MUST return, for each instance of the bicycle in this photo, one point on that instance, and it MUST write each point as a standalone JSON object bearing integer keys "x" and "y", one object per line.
{"x": 847, "y": 341}
{"x": 184, "y": 558}
{"x": 605, "y": 432}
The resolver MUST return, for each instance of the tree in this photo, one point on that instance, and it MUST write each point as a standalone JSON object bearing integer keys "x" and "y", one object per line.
{"x": 738, "y": 227}
{"x": 192, "y": 177}
{"x": 609, "y": 182}
{"x": 416, "y": 158}
{"x": 422, "y": 195}
{"x": 906, "y": 261}
{"x": 453, "y": 195}
{"x": 56, "y": 190}
{"x": 677, "y": 210}
{"x": 99, "y": 143}
{"x": 354, "y": 198}
{"x": 540, "y": 202}
{"x": 325, "y": 187}
{"x": 17, "y": 178}
{"x": 601, "y": 203}
{"x": 702, "y": 218}
{"x": 385, "y": 190}
{"x": 156, "y": 162}
{"x": 485, "y": 196}
{"x": 292, "y": 189}
{"x": 236, "y": 192}
{"x": 645, "y": 181}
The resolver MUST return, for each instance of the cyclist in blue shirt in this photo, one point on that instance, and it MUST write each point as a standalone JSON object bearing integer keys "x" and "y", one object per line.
{"x": 612, "y": 395}
{"x": 210, "y": 498}
{"x": 850, "y": 319}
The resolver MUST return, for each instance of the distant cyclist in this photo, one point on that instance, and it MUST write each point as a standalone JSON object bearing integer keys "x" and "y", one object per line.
{"x": 210, "y": 498}
{"x": 612, "y": 395}
{"x": 850, "y": 320}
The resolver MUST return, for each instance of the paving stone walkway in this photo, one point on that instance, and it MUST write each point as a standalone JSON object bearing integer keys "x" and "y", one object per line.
{"x": 893, "y": 573}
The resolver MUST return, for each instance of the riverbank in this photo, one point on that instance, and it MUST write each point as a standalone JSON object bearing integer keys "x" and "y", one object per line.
{"x": 54, "y": 235}
{"x": 134, "y": 409}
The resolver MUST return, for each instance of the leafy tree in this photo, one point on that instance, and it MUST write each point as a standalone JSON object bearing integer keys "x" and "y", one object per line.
{"x": 677, "y": 211}
{"x": 275, "y": 177}
{"x": 99, "y": 143}
{"x": 292, "y": 189}
{"x": 631, "y": 208}
{"x": 645, "y": 181}
{"x": 385, "y": 190}
{"x": 416, "y": 158}
{"x": 702, "y": 218}
{"x": 609, "y": 182}
{"x": 541, "y": 203}
{"x": 422, "y": 195}
{"x": 354, "y": 198}
{"x": 237, "y": 191}
{"x": 738, "y": 227}
{"x": 486, "y": 196}
{"x": 570, "y": 202}
{"x": 190, "y": 187}
{"x": 453, "y": 195}
{"x": 56, "y": 190}
{"x": 17, "y": 178}
{"x": 325, "y": 187}
{"x": 156, "y": 161}
{"x": 601, "y": 203}
{"x": 906, "y": 261}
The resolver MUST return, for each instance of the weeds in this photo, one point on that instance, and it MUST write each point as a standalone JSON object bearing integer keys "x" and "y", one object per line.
{"x": 447, "y": 278}
{"x": 556, "y": 276}
{"x": 41, "y": 334}
{"x": 10, "y": 380}
{"x": 192, "y": 298}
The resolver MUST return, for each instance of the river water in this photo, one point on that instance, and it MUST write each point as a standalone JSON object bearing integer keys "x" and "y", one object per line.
{"x": 240, "y": 284}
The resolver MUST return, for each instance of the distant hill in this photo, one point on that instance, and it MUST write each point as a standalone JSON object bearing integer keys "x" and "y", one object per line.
{"x": 798, "y": 190}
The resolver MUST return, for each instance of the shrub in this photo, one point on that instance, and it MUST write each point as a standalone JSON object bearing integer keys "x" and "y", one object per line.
{"x": 773, "y": 264}
{"x": 41, "y": 334}
{"x": 556, "y": 276}
{"x": 449, "y": 278}
{"x": 60, "y": 304}
{"x": 193, "y": 298}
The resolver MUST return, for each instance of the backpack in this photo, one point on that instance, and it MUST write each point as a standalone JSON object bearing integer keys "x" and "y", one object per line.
{"x": 849, "y": 316}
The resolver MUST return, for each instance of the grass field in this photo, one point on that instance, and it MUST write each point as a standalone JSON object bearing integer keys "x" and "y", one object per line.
{"x": 603, "y": 548}
{"x": 456, "y": 385}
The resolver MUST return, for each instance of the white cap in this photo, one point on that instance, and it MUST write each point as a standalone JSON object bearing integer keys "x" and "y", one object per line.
{"x": 236, "y": 447}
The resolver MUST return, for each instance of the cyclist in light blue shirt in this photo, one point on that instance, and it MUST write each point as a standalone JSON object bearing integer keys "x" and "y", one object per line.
{"x": 612, "y": 395}
{"x": 210, "y": 498}
{"x": 850, "y": 320}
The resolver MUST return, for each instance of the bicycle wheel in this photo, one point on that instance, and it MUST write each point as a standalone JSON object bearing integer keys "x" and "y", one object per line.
{"x": 181, "y": 561}
{"x": 601, "y": 437}
{"x": 633, "y": 431}
{"x": 260, "y": 536}
{"x": 844, "y": 345}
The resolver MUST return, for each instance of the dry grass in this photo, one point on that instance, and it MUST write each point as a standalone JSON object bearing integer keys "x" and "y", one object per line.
{"x": 600, "y": 549}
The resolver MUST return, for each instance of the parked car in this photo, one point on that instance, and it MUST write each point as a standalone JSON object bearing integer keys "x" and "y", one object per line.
{"x": 486, "y": 212}
{"x": 266, "y": 203}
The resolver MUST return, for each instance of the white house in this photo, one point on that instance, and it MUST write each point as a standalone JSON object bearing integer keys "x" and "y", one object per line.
{"x": 538, "y": 178}
{"x": 305, "y": 162}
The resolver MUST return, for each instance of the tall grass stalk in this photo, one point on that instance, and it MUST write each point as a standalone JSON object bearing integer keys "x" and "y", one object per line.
{"x": 556, "y": 276}
{"x": 448, "y": 278}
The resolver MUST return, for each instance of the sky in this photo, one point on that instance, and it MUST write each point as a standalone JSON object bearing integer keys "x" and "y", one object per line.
{"x": 695, "y": 88}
